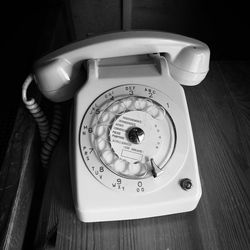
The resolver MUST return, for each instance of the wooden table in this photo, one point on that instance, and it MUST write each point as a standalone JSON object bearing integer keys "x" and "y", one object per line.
{"x": 220, "y": 114}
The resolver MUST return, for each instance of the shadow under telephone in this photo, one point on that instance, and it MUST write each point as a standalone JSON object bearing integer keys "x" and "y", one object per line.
{"x": 132, "y": 149}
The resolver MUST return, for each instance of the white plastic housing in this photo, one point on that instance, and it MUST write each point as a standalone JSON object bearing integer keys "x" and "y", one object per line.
{"x": 95, "y": 201}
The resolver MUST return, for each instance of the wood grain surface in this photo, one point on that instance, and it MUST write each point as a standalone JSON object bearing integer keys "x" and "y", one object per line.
{"x": 220, "y": 115}
{"x": 17, "y": 181}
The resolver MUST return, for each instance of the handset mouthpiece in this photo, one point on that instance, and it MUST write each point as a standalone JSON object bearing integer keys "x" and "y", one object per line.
{"x": 57, "y": 79}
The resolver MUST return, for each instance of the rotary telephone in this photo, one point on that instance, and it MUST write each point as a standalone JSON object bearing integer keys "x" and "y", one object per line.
{"x": 132, "y": 153}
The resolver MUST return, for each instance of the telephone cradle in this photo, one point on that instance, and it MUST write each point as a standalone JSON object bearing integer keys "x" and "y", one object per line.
{"x": 132, "y": 152}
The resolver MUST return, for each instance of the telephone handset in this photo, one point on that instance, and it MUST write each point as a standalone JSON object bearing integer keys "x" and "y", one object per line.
{"x": 132, "y": 150}
{"x": 58, "y": 73}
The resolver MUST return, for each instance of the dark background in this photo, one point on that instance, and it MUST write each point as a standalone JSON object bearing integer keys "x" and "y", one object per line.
{"x": 27, "y": 33}
{"x": 223, "y": 25}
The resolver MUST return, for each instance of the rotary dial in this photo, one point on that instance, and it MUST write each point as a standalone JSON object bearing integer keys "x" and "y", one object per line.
{"x": 133, "y": 136}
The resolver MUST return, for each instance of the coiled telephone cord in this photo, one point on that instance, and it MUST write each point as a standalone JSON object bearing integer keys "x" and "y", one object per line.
{"x": 53, "y": 135}
{"x": 49, "y": 134}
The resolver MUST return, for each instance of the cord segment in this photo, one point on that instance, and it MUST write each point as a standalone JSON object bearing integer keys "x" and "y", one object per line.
{"x": 49, "y": 134}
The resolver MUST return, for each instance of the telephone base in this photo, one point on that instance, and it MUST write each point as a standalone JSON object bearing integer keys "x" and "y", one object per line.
{"x": 110, "y": 171}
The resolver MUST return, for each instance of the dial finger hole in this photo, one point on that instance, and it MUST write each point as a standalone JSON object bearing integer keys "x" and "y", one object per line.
{"x": 101, "y": 144}
{"x": 134, "y": 168}
{"x": 127, "y": 102}
{"x": 132, "y": 105}
{"x": 153, "y": 111}
{"x": 149, "y": 103}
{"x": 122, "y": 107}
{"x": 108, "y": 156}
{"x": 114, "y": 108}
{"x": 140, "y": 104}
{"x": 100, "y": 130}
{"x": 105, "y": 116}
{"x": 161, "y": 114}
{"x": 120, "y": 165}
{"x": 144, "y": 169}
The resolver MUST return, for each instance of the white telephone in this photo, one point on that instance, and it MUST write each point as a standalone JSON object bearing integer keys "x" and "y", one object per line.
{"x": 132, "y": 150}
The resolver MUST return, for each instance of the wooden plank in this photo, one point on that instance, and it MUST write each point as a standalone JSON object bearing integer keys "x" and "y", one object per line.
{"x": 221, "y": 156}
{"x": 237, "y": 81}
{"x": 220, "y": 116}
{"x": 17, "y": 182}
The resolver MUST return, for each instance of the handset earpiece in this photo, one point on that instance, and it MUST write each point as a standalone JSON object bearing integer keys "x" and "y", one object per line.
{"x": 191, "y": 65}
